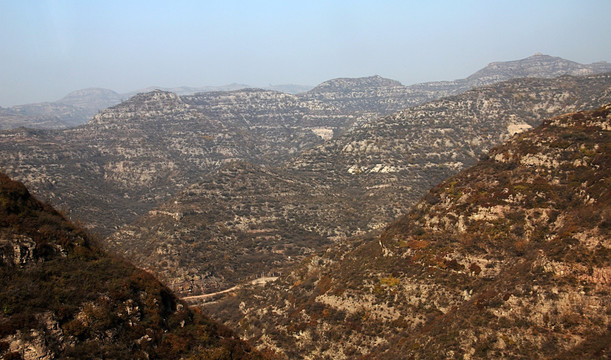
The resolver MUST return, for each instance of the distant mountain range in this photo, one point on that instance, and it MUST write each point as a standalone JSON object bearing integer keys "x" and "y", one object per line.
{"x": 138, "y": 154}
{"x": 74, "y": 109}
{"x": 79, "y": 106}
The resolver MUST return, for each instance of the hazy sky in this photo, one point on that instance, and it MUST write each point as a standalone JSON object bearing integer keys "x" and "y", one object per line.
{"x": 49, "y": 48}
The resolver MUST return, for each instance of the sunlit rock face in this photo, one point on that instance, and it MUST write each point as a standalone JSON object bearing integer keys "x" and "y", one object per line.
{"x": 499, "y": 261}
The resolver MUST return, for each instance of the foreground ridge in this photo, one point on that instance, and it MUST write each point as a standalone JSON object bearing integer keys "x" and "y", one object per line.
{"x": 62, "y": 297}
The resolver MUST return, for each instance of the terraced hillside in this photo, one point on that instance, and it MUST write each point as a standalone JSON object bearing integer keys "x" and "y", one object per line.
{"x": 139, "y": 153}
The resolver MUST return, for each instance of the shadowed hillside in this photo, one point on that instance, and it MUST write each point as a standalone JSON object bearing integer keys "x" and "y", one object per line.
{"x": 62, "y": 297}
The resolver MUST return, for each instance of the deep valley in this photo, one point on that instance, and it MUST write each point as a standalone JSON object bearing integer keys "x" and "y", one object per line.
{"x": 360, "y": 219}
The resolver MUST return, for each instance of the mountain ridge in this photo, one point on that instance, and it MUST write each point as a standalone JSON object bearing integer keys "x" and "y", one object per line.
{"x": 554, "y": 66}
{"x": 79, "y": 106}
{"x": 347, "y": 84}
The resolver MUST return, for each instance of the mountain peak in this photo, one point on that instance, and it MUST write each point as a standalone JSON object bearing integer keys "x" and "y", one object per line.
{"x": 156, "y": 95}
{"x": 351, "y": 84}
{"x": 147, "y": 105}
{"x": 157, "y": 99}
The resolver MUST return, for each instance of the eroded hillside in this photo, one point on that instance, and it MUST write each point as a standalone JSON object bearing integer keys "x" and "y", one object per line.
{"x": 139, "y": 153}
{"x": 248, "y": 220}
{"x": 126, "y": 160}
{"x": 241, "y": 222}
{"x": 508, "y": 259}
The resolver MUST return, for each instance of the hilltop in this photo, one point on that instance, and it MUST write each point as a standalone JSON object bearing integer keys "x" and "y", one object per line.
{"x": 538, "y": 65}
{"x": 535, "y": 66}
{"x": 345, "y": 84}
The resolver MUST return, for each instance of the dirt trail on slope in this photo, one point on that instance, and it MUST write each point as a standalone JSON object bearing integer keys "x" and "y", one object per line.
{"x": 259, "y": 281}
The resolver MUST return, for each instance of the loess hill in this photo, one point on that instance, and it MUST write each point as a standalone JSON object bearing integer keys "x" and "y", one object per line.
{"x": 510, "y": 258}
{"x": 63, "y": 298}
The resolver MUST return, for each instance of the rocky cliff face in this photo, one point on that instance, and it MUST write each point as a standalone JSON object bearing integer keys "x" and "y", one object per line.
{"x": 247, "y": 220}
{"x": 62, "y": 297}
{"x": 507, "y": 259}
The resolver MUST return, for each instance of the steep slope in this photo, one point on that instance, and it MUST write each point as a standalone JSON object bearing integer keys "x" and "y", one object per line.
{"x": 391, "y": 162}
{"x": 241, "y": 222}
{"x": 126, "y": 160}
{"x": 62, "y": 297}
{"x": 508, "y": 259}
{"x": 246, "y": 220}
